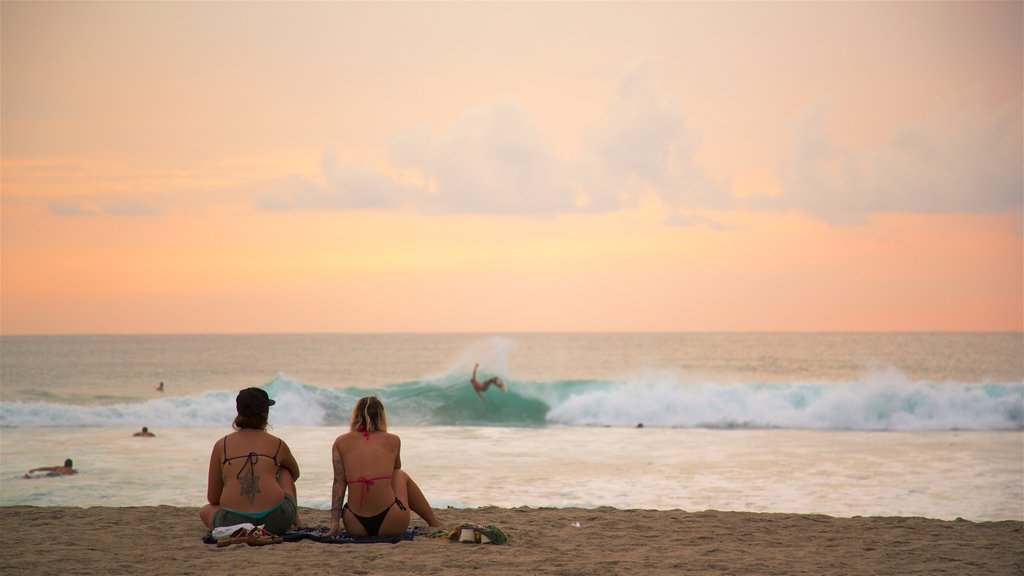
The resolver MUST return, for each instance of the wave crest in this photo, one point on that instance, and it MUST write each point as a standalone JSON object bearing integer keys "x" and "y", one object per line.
{"x": 884, "y": 401}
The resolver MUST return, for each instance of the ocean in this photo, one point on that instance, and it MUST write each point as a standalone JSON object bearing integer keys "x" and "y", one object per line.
{"x": 841, "y": 424}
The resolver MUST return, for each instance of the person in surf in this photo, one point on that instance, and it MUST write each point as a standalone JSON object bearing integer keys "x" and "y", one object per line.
{"x": 47, "y": 471}
{"x": 480, "y": 388}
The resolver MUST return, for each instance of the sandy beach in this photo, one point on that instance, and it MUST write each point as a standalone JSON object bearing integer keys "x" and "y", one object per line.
{"x": 168, "y": 540}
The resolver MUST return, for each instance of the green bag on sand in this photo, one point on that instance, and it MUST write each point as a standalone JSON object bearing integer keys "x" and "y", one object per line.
{"x": 477, "y": 534}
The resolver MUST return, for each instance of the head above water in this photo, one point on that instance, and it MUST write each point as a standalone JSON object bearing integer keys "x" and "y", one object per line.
{"x": 253, "y": 405}
{"x": 369, "y": 413}
{"x": 68, "y": 463}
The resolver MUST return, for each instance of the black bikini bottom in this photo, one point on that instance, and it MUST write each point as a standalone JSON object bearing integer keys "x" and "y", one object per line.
{"x": 372, "y": 523}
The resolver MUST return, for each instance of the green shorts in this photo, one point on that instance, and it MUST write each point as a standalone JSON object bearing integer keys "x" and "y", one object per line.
{"x": 277, "y": 519}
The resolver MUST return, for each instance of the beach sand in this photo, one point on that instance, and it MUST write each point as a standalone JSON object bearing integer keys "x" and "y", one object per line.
{"x": 168, "y": 540}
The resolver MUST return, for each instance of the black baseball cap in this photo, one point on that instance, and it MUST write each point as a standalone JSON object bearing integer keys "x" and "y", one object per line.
{"x": 253, "y": 401}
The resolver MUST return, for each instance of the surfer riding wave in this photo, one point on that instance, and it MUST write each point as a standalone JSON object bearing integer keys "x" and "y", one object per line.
{"x": 480, "y": 388}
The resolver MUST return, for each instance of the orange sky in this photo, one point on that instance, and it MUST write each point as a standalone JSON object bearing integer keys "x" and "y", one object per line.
{"x": 364, "y": 167}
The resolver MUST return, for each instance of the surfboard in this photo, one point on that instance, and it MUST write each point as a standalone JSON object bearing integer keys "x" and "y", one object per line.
{"x": 500, "y": 384}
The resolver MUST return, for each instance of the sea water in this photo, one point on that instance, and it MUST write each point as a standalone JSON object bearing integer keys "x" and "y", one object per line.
{"x": 841, "y": 424}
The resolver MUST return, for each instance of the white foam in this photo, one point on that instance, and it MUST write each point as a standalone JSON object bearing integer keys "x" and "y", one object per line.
{"x": 883, "y": 400}
{"x": 880, "y": 401}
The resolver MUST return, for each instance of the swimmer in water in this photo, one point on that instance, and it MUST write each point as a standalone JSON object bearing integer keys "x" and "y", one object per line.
{"x": 480, "y": 388}
{"x": 144, "y": 433}
{"x": 66, "y": 470}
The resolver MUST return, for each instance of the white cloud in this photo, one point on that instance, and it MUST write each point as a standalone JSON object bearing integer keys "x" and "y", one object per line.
{"x": 111, "y": 204}
{"x": 64, "y": 208}
{"x": 645, "y": 147}
{"x": 493, "y": 160}
{"x": 642, "y": 128}
{"x": 348, "y": 187}
{"x": 489, "y": 160}
{"x": 963, "y": 158}
{"x": 692, "y": 220}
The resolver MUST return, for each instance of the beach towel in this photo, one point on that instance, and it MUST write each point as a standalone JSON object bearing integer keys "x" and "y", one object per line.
{"x": 319, "y": 534}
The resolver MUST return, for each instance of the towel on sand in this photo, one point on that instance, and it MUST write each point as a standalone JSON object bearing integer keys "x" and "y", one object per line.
{"x": 319, "y": 534}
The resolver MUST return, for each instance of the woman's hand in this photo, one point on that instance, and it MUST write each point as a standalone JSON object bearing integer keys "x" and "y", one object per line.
{"x": 335, "y": 528}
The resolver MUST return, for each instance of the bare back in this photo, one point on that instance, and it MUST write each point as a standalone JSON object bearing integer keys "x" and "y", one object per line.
{"x": 368, "y": 463}
{"x": 244, "y": 467}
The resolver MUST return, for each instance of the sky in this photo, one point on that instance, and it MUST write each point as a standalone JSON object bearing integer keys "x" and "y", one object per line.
{"x": 267, "y": 167}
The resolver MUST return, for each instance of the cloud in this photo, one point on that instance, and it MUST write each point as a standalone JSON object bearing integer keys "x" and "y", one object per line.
{"x": 645, "y": 146}
{"x": 130, "y": 207}
{"x": 65, "y": 208}
{"x": 348, "y": 187}
{"x": 113, "y": 205}
{"x": 490, "y": 160}
{"x": 643, "y": 124}
{"x": 964, "y": 158}
{"x": 692, "y": 220}
{"x": 493, "y": 160}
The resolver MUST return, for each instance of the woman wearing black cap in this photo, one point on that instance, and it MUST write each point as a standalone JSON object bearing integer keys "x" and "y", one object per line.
{"x": 252, "y": 473}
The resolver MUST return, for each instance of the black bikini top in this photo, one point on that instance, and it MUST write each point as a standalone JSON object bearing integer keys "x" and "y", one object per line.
{"x": 251, "y": 458}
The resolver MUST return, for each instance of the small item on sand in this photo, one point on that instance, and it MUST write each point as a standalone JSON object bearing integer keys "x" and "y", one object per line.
{"x": 238, "y": 536}
{"x": 259, "y": 536}
{"x": 244, "y": 534}
{"x": 477, "y": 534}
{"x": 222, "y": 531}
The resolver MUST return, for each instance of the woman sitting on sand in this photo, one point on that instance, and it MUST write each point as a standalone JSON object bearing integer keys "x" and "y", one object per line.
{"x": 252, "y": 473}
{"x": 368, "y": 458}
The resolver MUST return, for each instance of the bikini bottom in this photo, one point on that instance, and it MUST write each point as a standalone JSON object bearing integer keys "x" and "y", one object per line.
{"x": 277, "y": 519}
{"x": 372, "y": 523}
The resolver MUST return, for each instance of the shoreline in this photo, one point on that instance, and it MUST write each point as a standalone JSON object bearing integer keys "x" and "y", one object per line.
{"x": 168, "y": 540}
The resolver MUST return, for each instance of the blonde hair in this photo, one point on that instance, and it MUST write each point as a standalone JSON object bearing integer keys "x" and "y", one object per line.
{"x": 369, "y": 414}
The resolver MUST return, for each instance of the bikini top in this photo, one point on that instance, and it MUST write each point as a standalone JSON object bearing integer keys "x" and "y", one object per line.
{"x": 251, "y": 459}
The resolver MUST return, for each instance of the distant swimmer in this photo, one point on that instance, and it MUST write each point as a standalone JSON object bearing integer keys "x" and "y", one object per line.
{"x": 160, "y": 387}
{"x": 66, "y": 470}
{"x": 480, "y": 388}
{"x": 145, "y": 433}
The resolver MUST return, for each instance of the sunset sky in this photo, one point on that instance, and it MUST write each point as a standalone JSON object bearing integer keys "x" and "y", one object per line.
{"x": 201, "y": 167}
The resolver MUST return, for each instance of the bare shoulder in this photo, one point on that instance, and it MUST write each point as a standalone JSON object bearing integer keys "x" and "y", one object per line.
{"x": 345, "y": 439}
{"x": 270, "y": 442}
{"x": 284, "y": 445}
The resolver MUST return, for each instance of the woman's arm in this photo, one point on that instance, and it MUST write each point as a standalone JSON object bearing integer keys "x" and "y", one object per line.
{"x": 337, "y": 490}
{"x": 215, "y": 482}
{"x": 288, "y": 460}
